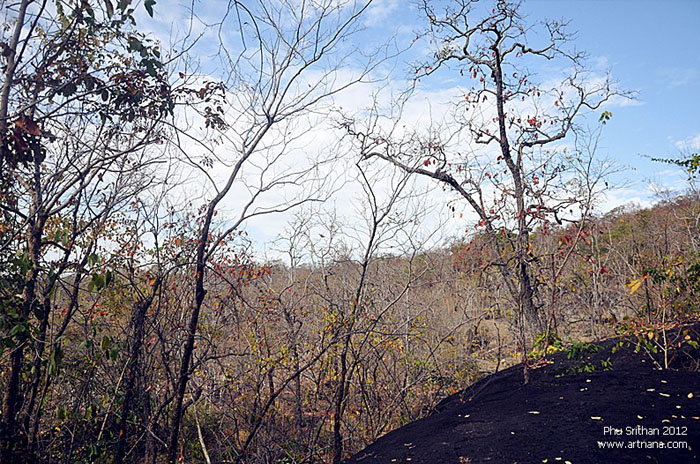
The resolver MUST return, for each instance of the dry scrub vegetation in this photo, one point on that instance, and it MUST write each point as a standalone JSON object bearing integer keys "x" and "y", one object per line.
{"x": 136, "y": 326}
{"x": 266, "y": 379}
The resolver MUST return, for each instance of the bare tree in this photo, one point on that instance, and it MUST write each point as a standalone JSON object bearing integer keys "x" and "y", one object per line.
{"x": 283, "y": 68}
{"x": 517, "y": 178}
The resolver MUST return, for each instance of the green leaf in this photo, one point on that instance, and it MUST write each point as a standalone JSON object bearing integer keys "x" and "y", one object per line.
{"x": 150, "y": 68}
{"x": 16, "y": 330}
{"x": 135, "y": 44}
{"x": 104, "y": 344}
{"x": 55, "y": 360}
{"x": 148, "y": 4}
{"x": 97, "y": 282}
{"x": 64, "y": 22}
{"x": 69, "y": 89}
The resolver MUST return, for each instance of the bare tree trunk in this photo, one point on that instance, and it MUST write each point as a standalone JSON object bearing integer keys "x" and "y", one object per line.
{"x": 526, "y": 302}
{"x": 340, "y": 403}
{"x": 138, "y": 319}
{"x": 37, "y": 366}
{"x": 11, "y": 66}
{"x": 297, "y": 390}
{"x": 10, "y": 436}
{"x": 10, "y": 405}
{"x": 183, "y": 376}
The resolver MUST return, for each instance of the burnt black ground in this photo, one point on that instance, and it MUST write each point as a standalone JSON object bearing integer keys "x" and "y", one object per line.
{"x": 558, "y": 418}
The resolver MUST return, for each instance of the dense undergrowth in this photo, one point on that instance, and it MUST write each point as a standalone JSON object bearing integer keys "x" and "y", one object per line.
{"x": 265, "y": 377}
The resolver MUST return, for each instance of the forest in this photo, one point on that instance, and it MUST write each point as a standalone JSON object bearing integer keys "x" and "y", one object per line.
{"x": 139, "y": 320}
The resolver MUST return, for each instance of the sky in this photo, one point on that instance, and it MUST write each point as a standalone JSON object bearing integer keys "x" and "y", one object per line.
{"x": 650, "y": 47}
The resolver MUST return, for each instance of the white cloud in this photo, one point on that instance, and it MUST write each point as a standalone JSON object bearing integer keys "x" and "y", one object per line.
{"x": 314, "y": 136}
{"x": 601, "y": 63}
{"x": 691, "y": 143}
{"x": 620, "y": 101}
{"x": 679, "y": 77}
{"x": 615, "y": 198}
{"x": 380, "y": 11}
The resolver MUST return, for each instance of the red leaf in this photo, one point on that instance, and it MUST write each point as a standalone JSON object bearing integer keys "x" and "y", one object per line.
{"x": 28, "y": 125}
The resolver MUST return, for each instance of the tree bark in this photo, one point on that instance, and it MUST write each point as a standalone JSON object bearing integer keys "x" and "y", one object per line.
{"x": 138, "y": 330}
{"x": 183, "y": 376}
{"x": 10, "y": 435}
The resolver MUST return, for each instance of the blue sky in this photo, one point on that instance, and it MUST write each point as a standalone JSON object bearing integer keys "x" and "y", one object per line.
{"x": 652, "y": 47}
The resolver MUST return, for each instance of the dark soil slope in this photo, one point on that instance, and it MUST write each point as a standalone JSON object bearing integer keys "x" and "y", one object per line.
{"x": 623, "y": 415}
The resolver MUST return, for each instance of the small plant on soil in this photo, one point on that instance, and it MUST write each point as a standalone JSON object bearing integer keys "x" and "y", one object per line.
{"x": 545, "y": 344}
{"x": 579, "y": 351}
{"x": 657, "y": 341}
